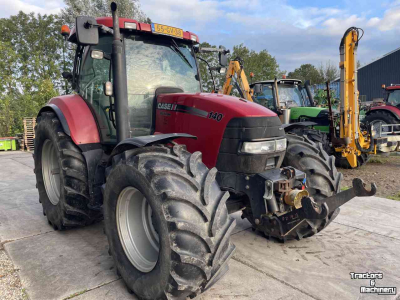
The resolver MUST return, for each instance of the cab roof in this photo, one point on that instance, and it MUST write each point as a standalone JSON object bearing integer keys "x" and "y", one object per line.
{"x": 143, "y": 27}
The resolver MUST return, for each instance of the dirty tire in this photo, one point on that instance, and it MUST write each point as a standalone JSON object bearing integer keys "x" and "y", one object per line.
{"x": 342, "y": 162}
{"x": 323, "y": 180}
{"x": 72, "y": 207}
{"x": 188, "y": 213}
{"x": 316, "y": 136}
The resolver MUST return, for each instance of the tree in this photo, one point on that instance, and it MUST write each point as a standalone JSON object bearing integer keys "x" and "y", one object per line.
{"x": 329, "y": 72}
{"x": 30, "y": 63}
{"x": 213, "y": 61}
{"x": 100, "y": 8}
{"x": 262, "y": 64}
{"x": 307, "y": 72}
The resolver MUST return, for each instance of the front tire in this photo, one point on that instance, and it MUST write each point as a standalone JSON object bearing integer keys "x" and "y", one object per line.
{"x": 180, "y": 241}
{"x": 323, "y": 179}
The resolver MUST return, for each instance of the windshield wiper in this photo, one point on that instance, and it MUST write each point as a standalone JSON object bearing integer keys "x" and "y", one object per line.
{"x": 177, "y": 50}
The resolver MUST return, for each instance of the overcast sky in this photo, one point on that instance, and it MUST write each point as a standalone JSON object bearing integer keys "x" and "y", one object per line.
{"x": 295, "y": 32}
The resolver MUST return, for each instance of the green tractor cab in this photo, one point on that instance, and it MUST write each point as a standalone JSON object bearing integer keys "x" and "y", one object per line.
{"x": 288, "y": 98}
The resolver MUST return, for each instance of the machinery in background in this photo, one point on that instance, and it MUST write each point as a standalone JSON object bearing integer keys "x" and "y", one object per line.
{"x": 384, "y": 116}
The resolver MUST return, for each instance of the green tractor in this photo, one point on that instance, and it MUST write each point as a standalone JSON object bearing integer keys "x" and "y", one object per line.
{"x": 291, "y": 101}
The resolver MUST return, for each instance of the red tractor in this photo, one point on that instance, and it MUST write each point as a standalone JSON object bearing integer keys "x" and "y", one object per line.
{"x": 139, "y": 144}
{"x": 384, "y": 116}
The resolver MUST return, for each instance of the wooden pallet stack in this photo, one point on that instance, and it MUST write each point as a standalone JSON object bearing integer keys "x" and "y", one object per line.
{"x": 29, "y": 133}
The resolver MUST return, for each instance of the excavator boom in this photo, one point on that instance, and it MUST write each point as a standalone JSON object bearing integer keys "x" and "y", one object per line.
{"x": 236, "y": 71}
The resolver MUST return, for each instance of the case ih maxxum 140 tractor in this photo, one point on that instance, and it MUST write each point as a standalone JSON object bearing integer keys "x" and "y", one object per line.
{"x": 141, "y": 144}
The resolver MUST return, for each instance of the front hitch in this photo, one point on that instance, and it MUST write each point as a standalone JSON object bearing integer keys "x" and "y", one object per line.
{"x": 320, "y": 210}
{"x": 314, "y": 215}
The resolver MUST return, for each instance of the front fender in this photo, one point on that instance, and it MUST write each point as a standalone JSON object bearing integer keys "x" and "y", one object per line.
{"x": 147, "y": 140}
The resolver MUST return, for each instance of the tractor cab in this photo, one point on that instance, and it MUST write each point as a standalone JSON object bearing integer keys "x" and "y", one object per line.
{"x": 157, "y": 59}
{"x": 282, "y": 93}
{"x": 290, "y": 99}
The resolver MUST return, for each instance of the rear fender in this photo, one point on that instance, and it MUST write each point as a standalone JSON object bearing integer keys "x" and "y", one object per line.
{"x": 76, "y": 118}
{"x": 393, "y": 110}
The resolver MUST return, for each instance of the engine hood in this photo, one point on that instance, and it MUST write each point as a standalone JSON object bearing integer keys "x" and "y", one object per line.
{"x": 207, "y": 116}
{"x": 229, "y": 106}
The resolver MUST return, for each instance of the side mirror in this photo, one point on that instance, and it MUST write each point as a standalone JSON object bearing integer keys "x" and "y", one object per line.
{"x": 223, "y": 59}
{"x": 257, "y": 88}
{"x": 87, "y": 32}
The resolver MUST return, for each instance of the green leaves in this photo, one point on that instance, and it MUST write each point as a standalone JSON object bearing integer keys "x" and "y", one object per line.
{"x": 325, "y": 72}
{"x": 262, "y": 64}
{"x": 307, "y": 72}
{"x": 30, "y": 67}
{"x": 101, "y": 8}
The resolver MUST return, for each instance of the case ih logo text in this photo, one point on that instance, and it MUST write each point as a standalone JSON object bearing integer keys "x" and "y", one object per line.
{"x": 166, "y": 106}
{"x": 372, "y": 289}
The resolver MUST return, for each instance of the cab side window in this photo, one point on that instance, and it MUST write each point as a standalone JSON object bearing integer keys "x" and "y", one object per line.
{"x": 93, "y": 74}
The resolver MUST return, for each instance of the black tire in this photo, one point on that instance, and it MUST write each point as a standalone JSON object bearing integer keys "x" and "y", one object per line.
{"x": 189, "y": 215}
{"x": 380, "y": 115}
{"x": 323, "y": 180}
{"x": 72, "y": 207}
{"x": 316, "y": 136}
{"x": 342, "y": 162}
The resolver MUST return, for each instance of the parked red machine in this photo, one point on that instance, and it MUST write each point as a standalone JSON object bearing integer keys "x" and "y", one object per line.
{"x": 384, "y": 116}
{"x": 131, "y": 142}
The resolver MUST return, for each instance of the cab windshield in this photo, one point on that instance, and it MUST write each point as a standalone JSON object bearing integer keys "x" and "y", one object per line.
{"x": 289, "y": 96}
{"x": 394, "y": 98}
{"x": 153, "y": 62}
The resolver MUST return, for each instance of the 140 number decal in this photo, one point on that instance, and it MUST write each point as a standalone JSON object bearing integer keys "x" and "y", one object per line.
{"x": 215, "y": 116}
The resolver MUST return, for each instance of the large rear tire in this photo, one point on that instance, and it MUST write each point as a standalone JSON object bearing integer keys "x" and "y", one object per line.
{"x": 166, "y": 222}
{"x": 61, "y": 176}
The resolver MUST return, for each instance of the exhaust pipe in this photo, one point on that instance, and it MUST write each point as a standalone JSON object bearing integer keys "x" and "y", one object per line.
{"x": 120, "y": 88}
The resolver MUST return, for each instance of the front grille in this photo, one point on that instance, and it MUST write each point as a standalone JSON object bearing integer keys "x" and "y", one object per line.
{"x": 240, "y": 130}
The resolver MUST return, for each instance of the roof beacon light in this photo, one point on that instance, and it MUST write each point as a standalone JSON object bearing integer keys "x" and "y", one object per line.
{"x": 65, "y": 31}
{"x": 193, "y": 38}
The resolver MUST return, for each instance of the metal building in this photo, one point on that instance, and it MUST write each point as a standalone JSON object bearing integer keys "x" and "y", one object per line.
{"x": 384, "y": 70}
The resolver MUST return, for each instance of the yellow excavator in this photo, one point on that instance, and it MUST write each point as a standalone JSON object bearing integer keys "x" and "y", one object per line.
{"x": 235, "y": 71}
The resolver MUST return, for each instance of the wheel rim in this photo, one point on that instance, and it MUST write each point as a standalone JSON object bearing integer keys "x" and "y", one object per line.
{"x": 375, "y": 123}
{"x": 136, "y": 230}
{"x": 51, "y": 172}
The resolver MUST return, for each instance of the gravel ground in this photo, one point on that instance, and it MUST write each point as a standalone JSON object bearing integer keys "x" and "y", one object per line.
{"x": 10, "y": 284}
{"x": 383, "y": 170}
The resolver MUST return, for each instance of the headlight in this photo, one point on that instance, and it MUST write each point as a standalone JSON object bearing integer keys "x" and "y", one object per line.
{"x": 264, "y": 147}
{"x": 280, "y": 145}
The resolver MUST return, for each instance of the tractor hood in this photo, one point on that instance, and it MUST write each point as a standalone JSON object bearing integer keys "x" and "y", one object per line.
{"x": 207, "y": 116}
{"x": 201, "y": 104}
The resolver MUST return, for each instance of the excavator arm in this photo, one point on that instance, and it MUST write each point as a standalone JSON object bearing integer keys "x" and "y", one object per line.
{"x": 352, "y": 140}
{"x": 235, "y": 70}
